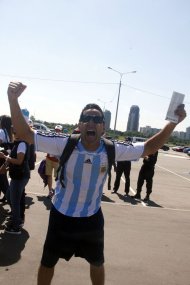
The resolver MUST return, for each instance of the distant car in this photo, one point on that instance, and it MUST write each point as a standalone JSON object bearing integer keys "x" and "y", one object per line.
{"x": 178, "y": 148}
{"x": 188, "y": 153}
{"x": 41, "y": 127}
{"x": 186, "y": 149}
{"x": 165, "y": 147}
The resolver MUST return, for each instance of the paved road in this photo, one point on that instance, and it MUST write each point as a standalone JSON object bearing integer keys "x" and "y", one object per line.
{"x": 144, "y": 243}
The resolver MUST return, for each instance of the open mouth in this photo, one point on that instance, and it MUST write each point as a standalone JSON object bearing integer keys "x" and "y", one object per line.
{"x": 90, "y": 133}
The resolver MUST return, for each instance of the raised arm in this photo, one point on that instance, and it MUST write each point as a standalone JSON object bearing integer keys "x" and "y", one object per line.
{"x": 157, "y": 141}
{"x": 20, "y": 125}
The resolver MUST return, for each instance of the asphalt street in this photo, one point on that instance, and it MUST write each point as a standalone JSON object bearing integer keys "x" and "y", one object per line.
{"x": 144, "y": 243}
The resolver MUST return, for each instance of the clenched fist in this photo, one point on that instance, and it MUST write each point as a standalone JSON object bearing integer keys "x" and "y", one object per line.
{"x": 15, "y": 89}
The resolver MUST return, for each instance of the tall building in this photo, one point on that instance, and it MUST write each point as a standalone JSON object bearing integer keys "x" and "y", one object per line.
{"x": 107, "y": 115}
{"x": 149, "y": 131}
{"x": 133, "y": 120}
{"x": 188, "y": 133}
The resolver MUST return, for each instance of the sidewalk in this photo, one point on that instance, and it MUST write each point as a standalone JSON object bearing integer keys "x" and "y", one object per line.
{"x": 142, "y": 246}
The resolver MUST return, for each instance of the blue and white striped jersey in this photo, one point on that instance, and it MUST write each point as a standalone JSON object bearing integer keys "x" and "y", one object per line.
{"x": 85, "y": 173}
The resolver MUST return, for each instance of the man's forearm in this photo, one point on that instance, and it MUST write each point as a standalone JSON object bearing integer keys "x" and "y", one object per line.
{"x": 158, "y": 140}
{"x": 20, "y": 125}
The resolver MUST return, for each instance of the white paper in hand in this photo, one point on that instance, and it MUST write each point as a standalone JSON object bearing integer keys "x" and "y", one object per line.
{"x": 176, "y": 100}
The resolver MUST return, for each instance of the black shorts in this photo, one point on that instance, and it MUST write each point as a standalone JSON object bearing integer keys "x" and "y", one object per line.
{"x": 68, "y": 236}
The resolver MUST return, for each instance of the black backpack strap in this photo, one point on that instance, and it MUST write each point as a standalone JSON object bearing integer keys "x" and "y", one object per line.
{"x": 110, "y": 149}
{"x": 71, "y": 144}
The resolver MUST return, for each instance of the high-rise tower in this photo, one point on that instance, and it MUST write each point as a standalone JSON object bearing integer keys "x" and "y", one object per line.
{"x": 133, "y": 120}
{"x": 107, "y": 115}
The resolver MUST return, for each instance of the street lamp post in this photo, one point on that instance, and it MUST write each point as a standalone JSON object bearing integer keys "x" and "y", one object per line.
{"x": 118, "y": 96}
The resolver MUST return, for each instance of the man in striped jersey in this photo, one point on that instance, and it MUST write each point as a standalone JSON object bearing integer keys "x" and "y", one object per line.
{"x": 76, "y": 224}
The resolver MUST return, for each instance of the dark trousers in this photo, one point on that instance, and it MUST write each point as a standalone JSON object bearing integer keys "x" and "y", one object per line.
{"x": 4, "y": 184}
{"x": 109, "y": 182}
{"x": 15, "y": 193}
{"x": 123, "y": 167}
{"x": 145, "y": 173}
{"x": 22, "y": 205}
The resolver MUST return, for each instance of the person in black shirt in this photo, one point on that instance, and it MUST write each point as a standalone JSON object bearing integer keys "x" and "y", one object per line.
{"x": 122, "y": 167}
{"x": 6, "y": 137}
{"x": 19, "y": 173}
{"x": 146, "y": 173}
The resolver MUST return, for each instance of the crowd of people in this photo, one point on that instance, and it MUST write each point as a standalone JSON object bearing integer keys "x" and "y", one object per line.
{"x": 76, "y": 222}
{"x": 15, "y": 162}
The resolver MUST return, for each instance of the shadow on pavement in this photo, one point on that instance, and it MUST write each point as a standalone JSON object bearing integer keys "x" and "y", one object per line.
{"x": 153, "y": 204}
{"x": 46, "y": 201}
{"x": 133, "y": 201}
{"x": 11, "y": 247}
{"x": 127, "y": 199}
{"x": 28, "y": 202}
{"x": 106, "y": 199}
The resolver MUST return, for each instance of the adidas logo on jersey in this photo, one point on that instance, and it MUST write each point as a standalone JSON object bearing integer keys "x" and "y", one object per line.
{"x": 88, "y": 161}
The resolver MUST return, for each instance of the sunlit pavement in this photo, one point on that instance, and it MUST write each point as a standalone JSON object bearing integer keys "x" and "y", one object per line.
{"x": 144, "y": 243}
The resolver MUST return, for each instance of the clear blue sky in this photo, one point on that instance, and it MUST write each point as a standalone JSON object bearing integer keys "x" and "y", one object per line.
{"x": 72, "y": 42}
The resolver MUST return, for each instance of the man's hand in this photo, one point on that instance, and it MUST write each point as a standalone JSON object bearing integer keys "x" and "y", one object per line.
{"x": 180, "y": 112}
{"x": 15, "y": 89}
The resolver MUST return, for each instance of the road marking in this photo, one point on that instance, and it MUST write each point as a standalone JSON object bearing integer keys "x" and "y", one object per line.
{"x": 172, "y": 172}
{"x": 132, "y": 190}
{"x": 35, "y": 193}
{"x": 147, "y": 206}
{"x": 144, "y": 204}
{"x": 176, "y": 156}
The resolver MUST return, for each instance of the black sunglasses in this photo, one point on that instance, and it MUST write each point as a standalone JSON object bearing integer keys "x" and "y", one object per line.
{"x": 88, "y": 118}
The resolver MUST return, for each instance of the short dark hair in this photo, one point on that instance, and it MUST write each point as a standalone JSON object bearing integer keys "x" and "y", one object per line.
{"x": 6, "y": 123}
{"x": 91, "y": 106}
